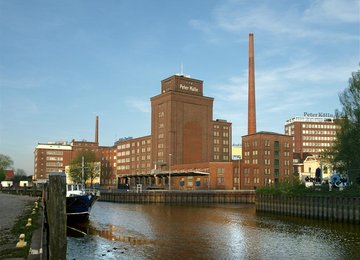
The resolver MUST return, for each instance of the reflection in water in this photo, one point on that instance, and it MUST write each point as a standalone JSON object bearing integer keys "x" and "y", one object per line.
{"x": 158, "y": 231}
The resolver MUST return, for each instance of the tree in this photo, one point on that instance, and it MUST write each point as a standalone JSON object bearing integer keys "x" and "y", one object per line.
{"x": 20, "y": 175}
{"x": 5, "y": 163}
{"x": 346, "y": 150}
{"x": 90, "y": 170}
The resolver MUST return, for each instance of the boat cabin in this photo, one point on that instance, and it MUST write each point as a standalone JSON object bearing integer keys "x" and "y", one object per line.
{"x": 75, "y": 189}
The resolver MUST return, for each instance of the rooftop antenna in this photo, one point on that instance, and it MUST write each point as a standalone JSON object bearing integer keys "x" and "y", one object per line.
{"x": 182, "y": 71}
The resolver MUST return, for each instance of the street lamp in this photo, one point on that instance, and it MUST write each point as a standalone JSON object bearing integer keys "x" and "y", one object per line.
{"x": 238, "y": 174}
{"x": 169, "y": 171}
{"x": 239, "y": 180}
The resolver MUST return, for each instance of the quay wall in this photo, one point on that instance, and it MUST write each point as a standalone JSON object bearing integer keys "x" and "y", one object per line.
{"x": 339, "y": 209}
{"x": 23, "y": 191}
{"x": 179, "y": 197}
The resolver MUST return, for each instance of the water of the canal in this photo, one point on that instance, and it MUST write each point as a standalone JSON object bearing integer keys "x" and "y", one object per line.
{"x": 158, "y": 231}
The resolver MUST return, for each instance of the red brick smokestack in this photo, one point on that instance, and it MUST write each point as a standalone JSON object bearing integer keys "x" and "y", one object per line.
{"x": 97, "y": 130}
{"x": 251, "y": 92}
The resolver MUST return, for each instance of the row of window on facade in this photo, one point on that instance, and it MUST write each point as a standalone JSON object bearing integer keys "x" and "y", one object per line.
{"x": 267, "y": 171}
{"x": 133, "y": 144}
{"x": 267, "y": 143}
{"x": 266, "y": 152}
{"x": 54, "y": 152}
{"x": 266, "y": 181}
{"x": 134, "y": 159}
{"x": 137, "y": 151}
{"x": 134, "y": 166}
{"x": 326, "y": 126}
{"x": 318, "y": 132}
{"x": 266, "y": 162}
{"x": 224, "y": 134}
{"x": 319, "y": 138}
{"x": 318, "y": 144}
{"x": 312, "y": 150}
{"x": 226, "y": 128}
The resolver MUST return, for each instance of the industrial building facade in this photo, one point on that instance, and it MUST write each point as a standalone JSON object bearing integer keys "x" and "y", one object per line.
{"x": 187, "y": 148}
{"x": 267, "y": 159}
{"x": 184, "y": 140}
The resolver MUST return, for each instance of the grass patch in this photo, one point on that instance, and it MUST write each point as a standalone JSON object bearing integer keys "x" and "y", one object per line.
{"x": 11, "y": 236}
{"x": 299, "y": 189}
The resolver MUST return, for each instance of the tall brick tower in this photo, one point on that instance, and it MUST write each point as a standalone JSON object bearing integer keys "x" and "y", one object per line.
{"x": 251, "y": 91}
{"x": 182, "y": 122}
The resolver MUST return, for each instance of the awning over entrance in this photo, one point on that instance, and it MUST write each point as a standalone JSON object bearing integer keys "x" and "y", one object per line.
{"x": 175, "y": 173}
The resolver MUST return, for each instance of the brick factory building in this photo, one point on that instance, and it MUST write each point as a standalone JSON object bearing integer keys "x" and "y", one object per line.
{"x": 267, "y": 159}
{"x": 184, "y": 140}
{"x": 187, "y": 148}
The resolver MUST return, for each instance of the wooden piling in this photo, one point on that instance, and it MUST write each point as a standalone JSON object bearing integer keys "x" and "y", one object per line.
{"x": 56, "y": 214}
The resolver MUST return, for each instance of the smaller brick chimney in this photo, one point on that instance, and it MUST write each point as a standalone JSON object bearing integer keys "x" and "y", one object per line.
{"x": 97, "y": 130}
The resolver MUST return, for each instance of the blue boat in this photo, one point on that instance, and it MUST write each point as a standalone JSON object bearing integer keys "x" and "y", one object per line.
{"x": 79, "y": 202}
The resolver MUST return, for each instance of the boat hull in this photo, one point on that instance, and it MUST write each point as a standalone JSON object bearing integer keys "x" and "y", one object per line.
{"x": 78, "y": 207}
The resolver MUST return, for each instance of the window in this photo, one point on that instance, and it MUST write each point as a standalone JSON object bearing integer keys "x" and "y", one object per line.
{"x": 190, "y": 181}
{"x": 267, "y": 171}
{"x": 220, "y": 180}
{"x": 220, "y": 171}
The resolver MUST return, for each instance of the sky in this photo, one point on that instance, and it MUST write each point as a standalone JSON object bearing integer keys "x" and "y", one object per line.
{"x": 62, "y": 63}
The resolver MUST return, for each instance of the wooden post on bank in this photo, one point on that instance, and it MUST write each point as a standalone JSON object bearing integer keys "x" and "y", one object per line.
{"x": 56, "y": 213}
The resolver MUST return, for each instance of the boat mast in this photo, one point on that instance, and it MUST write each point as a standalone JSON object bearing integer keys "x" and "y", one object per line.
{"x": 82, "y": 170}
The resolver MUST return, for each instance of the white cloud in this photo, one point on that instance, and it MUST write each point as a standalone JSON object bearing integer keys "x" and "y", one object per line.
{"x": 237, "y": 17}
{"x": 333, "y": 11}
{"x": 141, "y": 105}
{"x": 19, "y": 83}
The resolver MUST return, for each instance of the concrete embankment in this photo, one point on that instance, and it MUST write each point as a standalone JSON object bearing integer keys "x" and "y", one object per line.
{"x": 340, "y": 209}
{"x": 180, "y": 197}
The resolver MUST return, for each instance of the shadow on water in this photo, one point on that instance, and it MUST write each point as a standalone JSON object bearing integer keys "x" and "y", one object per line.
{"x": 79, "y": 230}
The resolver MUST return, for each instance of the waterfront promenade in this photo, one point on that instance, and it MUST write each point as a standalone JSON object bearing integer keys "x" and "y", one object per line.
{"x": 11, "y": 207}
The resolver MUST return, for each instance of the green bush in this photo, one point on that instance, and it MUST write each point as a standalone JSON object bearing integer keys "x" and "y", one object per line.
{"x": 297, "y": 188}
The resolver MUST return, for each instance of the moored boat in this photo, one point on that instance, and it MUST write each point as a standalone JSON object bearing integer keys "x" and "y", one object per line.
{"x": 79, "y": 202}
